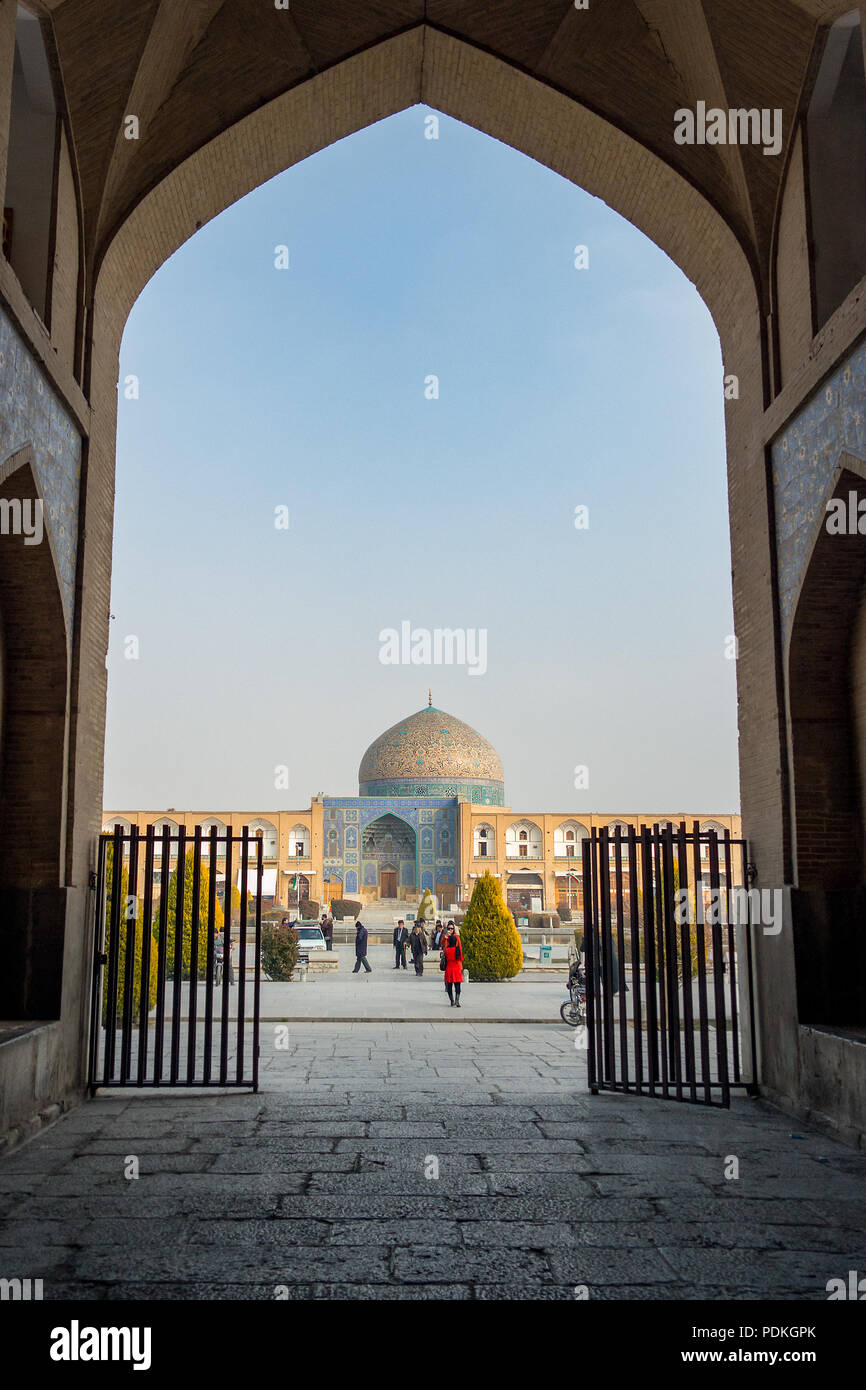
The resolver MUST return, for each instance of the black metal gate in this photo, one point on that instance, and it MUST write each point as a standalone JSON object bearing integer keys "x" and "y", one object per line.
{"x": 164, "y": 1010}
{"x": 667, "y": 932}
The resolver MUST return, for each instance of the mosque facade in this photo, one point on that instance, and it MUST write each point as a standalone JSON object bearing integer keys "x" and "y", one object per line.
{"x": 430, "y": 814}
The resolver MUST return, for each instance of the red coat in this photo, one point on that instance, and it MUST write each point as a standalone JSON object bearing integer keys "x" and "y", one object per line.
{"x": 453, "y": 962}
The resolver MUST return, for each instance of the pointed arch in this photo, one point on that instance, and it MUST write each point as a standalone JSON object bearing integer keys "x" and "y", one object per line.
{"x": 34, "y": 686}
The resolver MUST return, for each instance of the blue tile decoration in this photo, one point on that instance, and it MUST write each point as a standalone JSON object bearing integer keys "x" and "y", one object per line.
{"x": 438, "y": 815}
{"x": 804, "y": 458}
{"x": 30, "y": 413}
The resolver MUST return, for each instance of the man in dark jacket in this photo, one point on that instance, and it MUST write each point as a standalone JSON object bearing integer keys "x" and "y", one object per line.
{"x": 361, "y": 948}
{"x": 401, "y": 941}
{"x": 418, "y": 947}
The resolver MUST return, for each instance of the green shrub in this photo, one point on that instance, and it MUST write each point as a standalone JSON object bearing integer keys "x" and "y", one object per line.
{"x": 186, "y": 922}
{"x": 492, "y": 949}
{"x": 126, "y": 925}
{"x": 309, "y": 910}
{"x": 564, "y": 914}
{"x": 279, "y": 951}
{"x": 543, "y": 921}
{"x": 341, "y": 908}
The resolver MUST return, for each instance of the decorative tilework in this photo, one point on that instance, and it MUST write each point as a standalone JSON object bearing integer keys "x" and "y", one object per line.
{"x": 804, "y": 459}
{"x": 366, "y": 810}
{"x": 421, "y": 751}
{"x": 30, "y": 413}
{"x": 484, "y": 794}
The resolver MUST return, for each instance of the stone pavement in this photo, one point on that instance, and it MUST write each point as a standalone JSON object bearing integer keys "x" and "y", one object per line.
{"x": 387, "y": 994}
{"x": 324, "y": 1184}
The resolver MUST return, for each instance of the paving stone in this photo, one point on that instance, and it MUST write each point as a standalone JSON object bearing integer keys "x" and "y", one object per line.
{"x": 396, "y": 1232}
{"x": 364, "y": 1293}
{"x": 267, "y": 1232}
{"x": 441, "y": 1264}
{"x": 398, "y": 1180}
{"x": 759, "y": 1269}
{"x": 250, "y": 1263}
{"x": 317, "y": 1184}
{"x": 593, "y": 1266}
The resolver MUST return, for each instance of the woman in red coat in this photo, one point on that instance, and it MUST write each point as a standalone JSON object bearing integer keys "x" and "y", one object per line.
{"x": 453, "y": 965}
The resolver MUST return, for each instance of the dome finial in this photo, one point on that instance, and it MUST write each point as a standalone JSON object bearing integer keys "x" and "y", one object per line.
{"x": 429, "y": 698}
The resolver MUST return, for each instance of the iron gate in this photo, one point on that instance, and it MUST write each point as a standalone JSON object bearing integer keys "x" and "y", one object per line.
{"x": 163, "y": 1010}
{"x": 667, "y": 932}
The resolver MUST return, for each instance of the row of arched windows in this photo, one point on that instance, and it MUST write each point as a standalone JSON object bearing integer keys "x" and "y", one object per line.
{"x": 523, "y": 839}
{"x": 299, "y": 835}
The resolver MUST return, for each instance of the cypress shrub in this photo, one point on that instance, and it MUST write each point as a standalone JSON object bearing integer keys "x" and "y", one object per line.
{"x": 492, "y": 949}
{"x": 426, "y": 910}
{"x": 186, "y": 920}
{"x": 126, "y": 926}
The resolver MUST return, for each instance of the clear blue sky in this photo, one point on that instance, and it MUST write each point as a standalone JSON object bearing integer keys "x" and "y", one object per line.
{"x": 305, "y": 388}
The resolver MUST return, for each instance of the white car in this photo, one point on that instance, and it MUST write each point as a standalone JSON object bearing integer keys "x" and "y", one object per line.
{"x": 310, "y": 937}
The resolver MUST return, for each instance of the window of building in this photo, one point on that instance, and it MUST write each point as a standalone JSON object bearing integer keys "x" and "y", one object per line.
{"x": 28, "y": 204}
{"x": 836, "y": 147}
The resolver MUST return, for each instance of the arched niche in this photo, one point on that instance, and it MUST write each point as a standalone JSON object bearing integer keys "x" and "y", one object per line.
{"x": 34, "y": 680}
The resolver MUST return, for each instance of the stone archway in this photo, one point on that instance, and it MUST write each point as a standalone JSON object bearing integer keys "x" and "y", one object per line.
{"x": 598, "y": 113}
{"x": 388, "y": 857}
{"x": 826, "y": 673}
{"x": 424, "y": 64}
{"x": 34, "y": 679}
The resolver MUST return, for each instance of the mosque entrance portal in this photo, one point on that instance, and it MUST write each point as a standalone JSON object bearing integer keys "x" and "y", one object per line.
{"x": 388, "y": 848}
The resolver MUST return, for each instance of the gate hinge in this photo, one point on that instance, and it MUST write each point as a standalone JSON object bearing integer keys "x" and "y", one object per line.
{"x": 751, "y": 872}
{"x": 91, "y": 881}
{"x": 102, "y": 959}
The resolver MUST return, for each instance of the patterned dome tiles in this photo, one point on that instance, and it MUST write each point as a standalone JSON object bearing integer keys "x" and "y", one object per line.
{"x": 440, "y": 743}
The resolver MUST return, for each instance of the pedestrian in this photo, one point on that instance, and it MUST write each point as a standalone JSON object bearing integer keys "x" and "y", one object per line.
{"x": 418, "y": 947}
{"x": 401, "y": 941}
{"x": 453, "y": 953}
{"x": 217, "y": 957}
{"x": 361, "y": 948}
{"x": 327, "y": 928}
{"x": 437, "y": 935}
{"x": 230, "y": 962}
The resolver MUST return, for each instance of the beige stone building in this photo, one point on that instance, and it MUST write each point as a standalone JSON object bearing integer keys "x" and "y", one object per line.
{"x": 430, "y": 813}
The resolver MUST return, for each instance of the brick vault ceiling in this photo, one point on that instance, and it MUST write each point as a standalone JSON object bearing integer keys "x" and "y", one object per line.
{"x": 192, "y": 68}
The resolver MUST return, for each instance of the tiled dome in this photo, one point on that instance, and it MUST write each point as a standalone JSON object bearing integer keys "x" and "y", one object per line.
{"x": 430, "y": 746}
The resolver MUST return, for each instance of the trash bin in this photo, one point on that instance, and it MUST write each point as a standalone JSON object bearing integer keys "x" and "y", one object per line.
{"x": 545, "y": 954}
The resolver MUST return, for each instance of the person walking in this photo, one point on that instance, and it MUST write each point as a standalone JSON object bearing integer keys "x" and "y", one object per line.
{"x": 453, "y": 953}
{"x": 418, "y": 947}
{"x": 437, "y": 935}
{"x": 361, "y": 948}
{"x": 327, "y": 929}
{"x": 401, "y": 941}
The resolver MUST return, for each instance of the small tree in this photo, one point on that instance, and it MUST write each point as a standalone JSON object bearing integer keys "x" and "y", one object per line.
{"x": 492, "y": 948}
{"x": 279, "y": 951}
{"x": 186, "y": 919}
{"x": 236, "y": 905}
{"x": 128, "y": 924}
{"x": 426, "y": 908}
